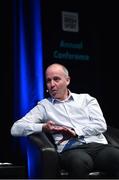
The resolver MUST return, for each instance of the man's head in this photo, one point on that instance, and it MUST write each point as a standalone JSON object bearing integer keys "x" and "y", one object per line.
{"x": 57, "y": 80}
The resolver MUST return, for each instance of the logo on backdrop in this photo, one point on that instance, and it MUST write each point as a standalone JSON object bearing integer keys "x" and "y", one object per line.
{"x": 70, "y": 21}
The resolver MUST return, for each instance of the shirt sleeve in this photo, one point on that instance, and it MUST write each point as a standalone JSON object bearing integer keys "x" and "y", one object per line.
{"x": 97, "y": 123}
{"x": 32, "y": 122}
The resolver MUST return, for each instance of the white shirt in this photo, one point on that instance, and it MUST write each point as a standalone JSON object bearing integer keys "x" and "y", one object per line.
{"x": 79, "y": 111}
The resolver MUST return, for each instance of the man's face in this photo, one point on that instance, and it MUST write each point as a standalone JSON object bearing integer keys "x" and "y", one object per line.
{"x": 57, "y": 82}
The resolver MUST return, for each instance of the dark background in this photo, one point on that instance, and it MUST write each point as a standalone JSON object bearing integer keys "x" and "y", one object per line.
{"x": 5, "y": 79}
{"x": 99, "y": 77}
{"x": 99, "y": 31}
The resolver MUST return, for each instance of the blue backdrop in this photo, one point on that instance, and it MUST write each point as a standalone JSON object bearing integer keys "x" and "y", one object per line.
{"x": 27, "y": 57}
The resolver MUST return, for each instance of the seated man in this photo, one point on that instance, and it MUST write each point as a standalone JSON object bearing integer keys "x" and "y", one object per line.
{"x": 77, "y": 125}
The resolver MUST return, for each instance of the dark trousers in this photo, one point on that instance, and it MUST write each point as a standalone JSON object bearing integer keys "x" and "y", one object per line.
{"x": 86, "y": 158}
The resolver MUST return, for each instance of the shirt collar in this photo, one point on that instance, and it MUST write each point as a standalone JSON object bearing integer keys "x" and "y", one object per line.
{"x": 53, "y": 100}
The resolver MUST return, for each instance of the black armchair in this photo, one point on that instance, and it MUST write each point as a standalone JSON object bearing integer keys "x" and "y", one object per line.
{"x": 43, "y": 157}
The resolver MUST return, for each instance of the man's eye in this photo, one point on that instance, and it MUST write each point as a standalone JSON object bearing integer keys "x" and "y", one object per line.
{"x": 56, "y": 79}
{"x": 48, "y": 80}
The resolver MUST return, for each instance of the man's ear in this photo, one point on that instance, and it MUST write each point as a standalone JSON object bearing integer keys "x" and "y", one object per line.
{"x": 68, "y": 80}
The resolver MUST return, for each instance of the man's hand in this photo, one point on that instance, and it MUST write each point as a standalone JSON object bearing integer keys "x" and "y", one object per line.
{"x": 50, "y": 126}
{"x": 68, "y": 132}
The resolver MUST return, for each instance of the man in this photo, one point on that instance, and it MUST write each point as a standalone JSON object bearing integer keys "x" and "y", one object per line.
{"x": 76, "y": 123}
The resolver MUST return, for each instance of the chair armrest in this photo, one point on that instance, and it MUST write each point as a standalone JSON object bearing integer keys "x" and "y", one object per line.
{"x": 112, "y": 135}
{"x": 42, "y": 157}
{"x": 41, "y": 140}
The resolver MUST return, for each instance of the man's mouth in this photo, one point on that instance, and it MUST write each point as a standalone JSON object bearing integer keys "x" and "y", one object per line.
{"x": 54, "y": 92}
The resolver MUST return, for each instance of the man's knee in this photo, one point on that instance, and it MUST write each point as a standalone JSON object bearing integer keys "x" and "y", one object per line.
{"x": 108, "y": 160}
{"x": 78, "y": 163}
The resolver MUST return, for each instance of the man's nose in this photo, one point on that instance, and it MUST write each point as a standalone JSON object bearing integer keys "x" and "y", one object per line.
{"x": 52, "y": 83}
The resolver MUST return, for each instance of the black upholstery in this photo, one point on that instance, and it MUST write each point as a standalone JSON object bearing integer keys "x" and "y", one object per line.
{"x": 43, "y": 157}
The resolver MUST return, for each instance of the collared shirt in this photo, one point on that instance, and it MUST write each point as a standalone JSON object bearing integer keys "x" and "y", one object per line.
{"x": 80, "y": 112}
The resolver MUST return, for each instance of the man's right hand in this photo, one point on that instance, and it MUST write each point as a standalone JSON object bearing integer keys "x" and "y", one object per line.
{"x": 50, "y": 126}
